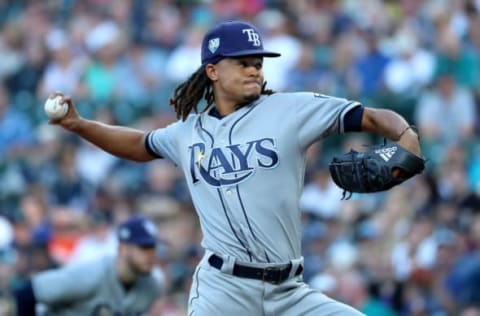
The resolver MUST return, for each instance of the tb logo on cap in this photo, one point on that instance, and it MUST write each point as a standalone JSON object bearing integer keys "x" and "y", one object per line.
{"x": 252, "y": 36}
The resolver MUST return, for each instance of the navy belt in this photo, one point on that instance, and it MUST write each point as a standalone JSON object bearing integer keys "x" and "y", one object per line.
{"x": 272, "y": 275}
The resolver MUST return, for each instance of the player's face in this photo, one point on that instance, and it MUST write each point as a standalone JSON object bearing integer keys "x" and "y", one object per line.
{"x": 239, "y": 79}
{"x": 141, "y": 259}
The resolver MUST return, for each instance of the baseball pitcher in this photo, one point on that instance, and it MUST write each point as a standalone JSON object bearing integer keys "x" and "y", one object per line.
{"x": 243, "y": 157}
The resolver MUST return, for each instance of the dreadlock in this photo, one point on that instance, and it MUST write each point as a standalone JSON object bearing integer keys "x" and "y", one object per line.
{"x": 189, "y": 93}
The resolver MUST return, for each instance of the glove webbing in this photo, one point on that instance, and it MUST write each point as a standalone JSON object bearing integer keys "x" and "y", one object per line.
{"x": 345, "y": 191}
{"x": 357, "y": 170}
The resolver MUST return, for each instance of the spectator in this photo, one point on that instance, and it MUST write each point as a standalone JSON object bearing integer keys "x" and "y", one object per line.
{"x": 278, "y": 37}
{"x": 24, "y": 82}
{"x": 99, "y": 240}
{"x": 68, "y": 187}
{"x": 411, "y": 68}
{"x": 100, "y": 77}
{"x": 306, "y": 74}
{"x": 140, "y": 74}
{"x": 184, "y": 59}
{"x": 458, "y": 59}
{"x": 354, "y": 289}
{"x": 371, "y": 65}
{"x": 11, "y": 45}
{"x": 64, "y": 71}
{"x": 16, "y": 133}
{"x": 446, "y": 114}
{"x": 321, "y": 197}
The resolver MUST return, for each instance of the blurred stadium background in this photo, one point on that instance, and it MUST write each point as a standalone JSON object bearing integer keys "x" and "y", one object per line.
{"x": 413, "y": 250}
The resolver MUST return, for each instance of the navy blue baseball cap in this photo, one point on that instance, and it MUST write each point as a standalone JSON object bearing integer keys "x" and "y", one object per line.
{"x": 232, "y": 39}
{"x": 138, "y": 230}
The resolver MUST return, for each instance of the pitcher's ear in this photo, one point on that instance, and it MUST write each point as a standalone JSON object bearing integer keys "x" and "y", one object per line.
{"x": 211, "y": 72}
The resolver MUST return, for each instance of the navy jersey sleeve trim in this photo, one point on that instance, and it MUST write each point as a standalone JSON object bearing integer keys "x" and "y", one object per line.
{"x": 25, "y": 300}
{"x": 352, "y": 121}
{"x": 149, "y": 146}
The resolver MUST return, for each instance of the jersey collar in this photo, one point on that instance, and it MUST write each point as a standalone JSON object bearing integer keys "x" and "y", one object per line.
{"x": 213, "y": 112}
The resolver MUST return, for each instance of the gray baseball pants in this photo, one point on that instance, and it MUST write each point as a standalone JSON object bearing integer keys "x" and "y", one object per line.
{"x": 218, "y": 292}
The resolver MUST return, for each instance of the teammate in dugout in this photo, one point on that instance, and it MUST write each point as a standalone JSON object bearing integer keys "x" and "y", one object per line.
{"x": 243, "y": 157}
{"x": 127, "y": 284}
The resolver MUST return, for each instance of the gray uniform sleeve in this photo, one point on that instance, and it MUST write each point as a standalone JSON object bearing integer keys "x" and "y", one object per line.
{"x": 320, "y": 115}
{"x": 159, "y": 282}
{"x": 156, "y": 287}
{"x": 163, "y": 142}
{"x": 66, "y": 284}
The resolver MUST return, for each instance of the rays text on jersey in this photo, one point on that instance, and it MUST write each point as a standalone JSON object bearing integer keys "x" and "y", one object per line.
{"x": 233, "y": 163}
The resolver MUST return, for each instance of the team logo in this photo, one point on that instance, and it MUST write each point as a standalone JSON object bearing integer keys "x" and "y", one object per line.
{"x": 231, "y": 164}
{"x": 150, "y": 228}
{"x": 386, "y": 153}
{"x": 213, "y": 44}
{"x": 124, "y": 233}
{"x": 253, "y": 37}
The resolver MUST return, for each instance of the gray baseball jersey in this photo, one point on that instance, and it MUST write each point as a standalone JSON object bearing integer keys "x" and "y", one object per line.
{"x": 92, "y": 288}
{"x": 245, "y": 171}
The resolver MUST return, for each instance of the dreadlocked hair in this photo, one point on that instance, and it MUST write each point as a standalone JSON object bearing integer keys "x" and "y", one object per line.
{"x": 189, "y": 93}
{"x": 265, "y": 90}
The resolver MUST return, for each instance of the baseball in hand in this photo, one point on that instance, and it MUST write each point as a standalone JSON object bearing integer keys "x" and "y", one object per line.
{"x": 54, "y": 109}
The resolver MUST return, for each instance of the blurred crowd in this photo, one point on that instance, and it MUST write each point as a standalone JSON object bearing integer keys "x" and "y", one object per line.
{"x": 413, "y": 250}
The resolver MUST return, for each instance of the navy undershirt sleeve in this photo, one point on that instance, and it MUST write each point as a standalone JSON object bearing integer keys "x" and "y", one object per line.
{"x": 25, "y": 300}
{"x": 149, "y": 148}
{"x": 352, "y": 121}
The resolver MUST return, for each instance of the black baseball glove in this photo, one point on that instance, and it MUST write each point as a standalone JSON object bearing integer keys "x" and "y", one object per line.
{"x": 372, "y": 171}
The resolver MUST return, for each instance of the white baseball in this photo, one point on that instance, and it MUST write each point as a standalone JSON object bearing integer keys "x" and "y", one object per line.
{"x": 55, "y": 109}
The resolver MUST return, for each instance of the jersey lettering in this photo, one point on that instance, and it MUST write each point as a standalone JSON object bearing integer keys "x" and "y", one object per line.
{"x": 265, "y": 152}
{"x": 231, "y": 164}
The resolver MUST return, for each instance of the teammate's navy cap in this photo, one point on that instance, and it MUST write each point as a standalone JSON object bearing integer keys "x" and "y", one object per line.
{"x": 138, "y": 230}
{"x": 232, "y": 39}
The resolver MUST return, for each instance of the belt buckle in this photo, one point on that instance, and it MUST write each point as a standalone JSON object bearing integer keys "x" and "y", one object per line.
{"x": 267, "y": 271}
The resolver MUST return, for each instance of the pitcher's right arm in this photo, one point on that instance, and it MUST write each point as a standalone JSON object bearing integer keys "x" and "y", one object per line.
{"x": 124, "y": 142}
